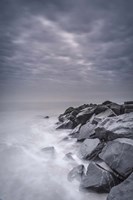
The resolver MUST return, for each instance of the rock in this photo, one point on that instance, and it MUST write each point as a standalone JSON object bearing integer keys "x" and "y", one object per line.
{"x": 69, "y": 110}
{"x": 116, "y": 108}
{"x": 103, "y": 135}
{"x": 48, "y": 151}
{"x": 128, "y": 102}
{"x": 88, "y": 147}
{"x": 107, "y": 113}
{"x": 85, "y": 115}
{"x": 106, "y": 102}
{"x": 69, "y": 156}
{"x": 118, "y": 155}
{"x": 128, "y": 110}
{"x": 115, "y": 127}
{"x": 98, "y": 179}
{"x": 123, "y": 191}
{"x": 85, "y": 131}
{"x": 66, "y": 125}
{"x": 75, "y": 132}
{"x": 46, "y": 117}
{"x": 76, "y": 173}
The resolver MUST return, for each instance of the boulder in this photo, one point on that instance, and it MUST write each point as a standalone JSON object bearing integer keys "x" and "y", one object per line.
{"x": 76, "y": 173}
{"x": 103, "y": 135}
{"x": 123, "y": 191}
{"x": 85, "y": 115}
{"x": 75, "y": 132}
{"x": 118, "y": 155}
{"x": 88, "y": 148}
{"x": 68, "y": 110}
{"x": 85, "y": 131}
{"x": 48, "y": 151}
{"x": 106, "y": 102}
{"x": 68, "y": 124}
{"x": 98, "y": 179}
{"x": 128, "y": 102}
{"x": 69, "y": 157}
{"x": 46, "y": 117}
{"x": 107, "y": 113}
{"x": 115, "y": 127}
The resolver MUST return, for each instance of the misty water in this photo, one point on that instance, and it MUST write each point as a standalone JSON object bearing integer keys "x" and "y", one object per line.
{"x": 26, "y": 173}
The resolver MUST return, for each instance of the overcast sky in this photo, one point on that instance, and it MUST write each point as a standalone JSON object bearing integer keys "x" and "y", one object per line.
{"x": 66, "y": 50}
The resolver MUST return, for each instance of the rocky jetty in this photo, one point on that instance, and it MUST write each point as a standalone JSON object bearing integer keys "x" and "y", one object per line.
{"x": 105, "y": 133}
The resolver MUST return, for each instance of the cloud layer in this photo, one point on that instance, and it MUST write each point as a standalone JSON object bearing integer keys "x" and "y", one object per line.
{"x": 67, "y": 50}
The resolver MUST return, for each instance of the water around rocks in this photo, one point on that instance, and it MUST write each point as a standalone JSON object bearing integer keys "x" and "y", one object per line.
{"x": 25, "y": 172}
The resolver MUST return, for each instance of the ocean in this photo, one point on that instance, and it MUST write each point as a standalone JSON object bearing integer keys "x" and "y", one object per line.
{"x": 26, "y": 173}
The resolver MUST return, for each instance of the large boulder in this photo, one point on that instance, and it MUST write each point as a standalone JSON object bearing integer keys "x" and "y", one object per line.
{"x": 76, "y": 173}
{"x": 123, "y": 191}
{"x": 107, "y": 113}
{"x": 115, "y": 127}
{"x": 98, "y": 179}
{"x": 85, "y": 131}
{"x": 88, "y": 148}
{"x": 118, "y": 154}
{"x": 85, "y": 115}
{"x": 103, "y": 135}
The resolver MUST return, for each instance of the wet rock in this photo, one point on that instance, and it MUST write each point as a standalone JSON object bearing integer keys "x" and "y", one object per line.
{"x": 66, "y": 125}
{"x": 98, "y": 179}
{"x": 76, "y": 173}
{"x": 69, "y": 110}
{"x": 107, "y": 113}
{"x": 48, "y": 151}
{"x": 69, "y": 157}
{"x": 75, "y": 132}
{"x": 128, "y": 102}
{"x": 116, "y": 108}
{"x": 103, "y": 134}
{"x": 85, "y": 131}
{"x": 115, "y": 127}
{"x": 123, "y": 191}
{"x": 118, "y": 154}
{"x": 106, "y": 102}
{"x": 88, "y": 147}
{"x": 46, "y": 117}
{"x": 85, "y": 115}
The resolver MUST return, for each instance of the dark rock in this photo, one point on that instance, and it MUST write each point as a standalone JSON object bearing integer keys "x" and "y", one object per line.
{"x": 128, "y": 102}
{"x": 85, "y": 115}
{"x": 98, "y": 179}
{"x": 116, "y": 108}
{"x": 88, "y": 147}
{"x": 106, "y": 102}
{"x": 115, "y": 127}
{"x": 85, "y": 131}
{"x": 107, "y": 113}
{"x": 127, "y": 110}
{"x": 118, "y": 154}
{"x": 66, "y": 125}
{"x": 46, "y": 117}
{"x": 68, "y": 110}
{"x": 103, "y": 134}
{"x": 123, "y": 191}
{"x": 76, "y": 173}
{"x": 48, "y": 151}
{"x": 69, "y": 156}
{"x": 75, "y": 132}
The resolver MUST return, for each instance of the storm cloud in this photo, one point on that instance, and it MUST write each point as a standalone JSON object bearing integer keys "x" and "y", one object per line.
{"x": 77, "y": 50}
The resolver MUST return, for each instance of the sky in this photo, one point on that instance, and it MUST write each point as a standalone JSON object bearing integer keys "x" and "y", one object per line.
{"x": 66, "y": 50}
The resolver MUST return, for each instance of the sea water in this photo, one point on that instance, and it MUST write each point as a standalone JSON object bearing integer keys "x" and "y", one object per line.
{"x": 26, "y": 173}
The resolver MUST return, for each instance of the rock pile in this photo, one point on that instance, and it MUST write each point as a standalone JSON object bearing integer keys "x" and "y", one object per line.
{"x": 106, "y": 135}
